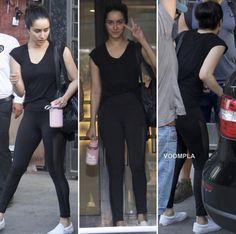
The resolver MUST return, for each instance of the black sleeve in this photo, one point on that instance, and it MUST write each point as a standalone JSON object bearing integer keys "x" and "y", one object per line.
{"x": 216, "y": 41}
{"x": 16, "y": 53}
{"x": 188, "y": 17}
{"x": 94, "y": 55}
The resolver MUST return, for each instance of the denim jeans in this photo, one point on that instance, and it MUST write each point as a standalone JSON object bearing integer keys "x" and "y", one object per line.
{"x": 167, "y": 143}
{"x": 5, "y": 155}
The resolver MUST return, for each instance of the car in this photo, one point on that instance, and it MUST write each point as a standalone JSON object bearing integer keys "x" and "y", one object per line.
{"x": 219, "y": 174}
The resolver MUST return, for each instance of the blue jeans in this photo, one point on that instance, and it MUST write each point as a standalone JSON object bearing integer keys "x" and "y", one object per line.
{"x": 167, "y": 144}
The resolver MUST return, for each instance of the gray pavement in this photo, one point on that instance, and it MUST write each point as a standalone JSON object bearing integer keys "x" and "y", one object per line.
{"x": 185, "y": 227}
{"x": 35, "y": 208}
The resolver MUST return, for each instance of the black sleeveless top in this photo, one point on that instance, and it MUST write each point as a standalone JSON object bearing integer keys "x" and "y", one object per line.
{"x": 39, "y": 79}
{"x": 118, "y": 75}
{"x": 192, "y": 53}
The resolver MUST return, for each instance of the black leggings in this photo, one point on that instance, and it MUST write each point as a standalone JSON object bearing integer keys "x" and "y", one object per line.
{"x": 34, "y": 127}
{"x": 121, "y": 120}
{"x": 192, "y": 137}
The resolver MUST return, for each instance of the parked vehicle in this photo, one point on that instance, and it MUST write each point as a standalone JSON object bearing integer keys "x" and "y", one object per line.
{"x": 219, "y": 175}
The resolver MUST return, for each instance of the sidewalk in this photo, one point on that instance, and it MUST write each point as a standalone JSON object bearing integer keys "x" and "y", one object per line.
{"x": 35, "y": 208}
{"x": 186, "y": 226}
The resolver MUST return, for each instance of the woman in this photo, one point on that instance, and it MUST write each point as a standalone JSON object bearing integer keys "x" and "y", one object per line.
{"x": 33, "y": 75}
{"x": 114, "y": 74}
{"x": 196, "y": 68}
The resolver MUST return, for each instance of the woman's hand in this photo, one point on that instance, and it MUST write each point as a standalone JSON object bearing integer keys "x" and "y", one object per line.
{"x": 61, "y": 102}
{"x": 91, "y": 133}
{"x": 136, "y": 30}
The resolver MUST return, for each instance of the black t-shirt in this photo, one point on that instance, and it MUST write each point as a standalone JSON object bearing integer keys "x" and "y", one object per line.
{"x": 118, "y": 75}
{"x": 39, "y": 79}
{"x": 192, "y": 53}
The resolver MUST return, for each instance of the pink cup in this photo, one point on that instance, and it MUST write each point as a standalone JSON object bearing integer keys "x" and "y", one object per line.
{"x": 55, "y": 116}
{"x": 92, "y": 153}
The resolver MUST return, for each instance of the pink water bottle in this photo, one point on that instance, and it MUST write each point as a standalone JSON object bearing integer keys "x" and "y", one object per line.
{"x": 92, "y": 153}
{"x": 55, "y": 116}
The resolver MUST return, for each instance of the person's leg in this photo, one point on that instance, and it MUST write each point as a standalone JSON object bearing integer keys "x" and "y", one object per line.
{"x": 169, "y": 216}
{"x": 181, "y": 153}
{"x": 112, "y": 135}
{"x": 27, "y": 140}
{"x": 184, "y": 187}
{"x": 167, "y": 145}
{"x": 55, "y": 149}
{"x": 195, "y": 135}
{"x": 5, "y": 155}
{"x": 206, "y": 106}
{"x": 136, "y": 134}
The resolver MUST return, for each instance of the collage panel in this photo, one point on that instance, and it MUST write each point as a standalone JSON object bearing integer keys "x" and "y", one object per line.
{"x": 117, "y": 150}
{"x": 38, "y": 144}
{"x": 196, "y": 116}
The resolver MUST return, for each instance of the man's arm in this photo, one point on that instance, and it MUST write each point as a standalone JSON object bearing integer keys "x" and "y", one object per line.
{"x": 170, "y": 6}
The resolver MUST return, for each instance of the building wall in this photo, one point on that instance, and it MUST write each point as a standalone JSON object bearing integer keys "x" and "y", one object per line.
{"x": 6, "y": 16}
{"x": 58, "y": 14}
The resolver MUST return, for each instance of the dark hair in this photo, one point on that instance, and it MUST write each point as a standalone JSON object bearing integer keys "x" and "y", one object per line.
{"x": 121, "y": 7}
{"x": 208, "y": 14}
{"x": 34, "y": 12}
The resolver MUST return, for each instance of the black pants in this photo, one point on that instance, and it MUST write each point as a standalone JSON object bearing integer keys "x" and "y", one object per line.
{"x": 121, "y": 119}
{"x": 192, "y": 135}
{"x": 34, "y": 127}
{"x": 5, "y": 155}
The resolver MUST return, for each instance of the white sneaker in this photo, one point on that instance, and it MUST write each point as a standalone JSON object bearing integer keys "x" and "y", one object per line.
{"x": 177, "y": 217}
{"x": 205, "y": 228}
{"x": 60, "y": 229}
{"x": 143, "y": 223}
{"x": 2, "y": 224}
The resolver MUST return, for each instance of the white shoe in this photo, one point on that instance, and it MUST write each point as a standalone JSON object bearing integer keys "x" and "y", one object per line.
{"x": 143, "y": 223}
{"x": 177, "y": 217}
{"x": 205, "y": 228}
{"x": 2, "y": 224}
{"x": 60, "y": 229}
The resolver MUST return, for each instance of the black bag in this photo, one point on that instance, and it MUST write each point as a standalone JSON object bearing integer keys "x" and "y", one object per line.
{"x": 70, "y": 111}
{"x": 147, "y": 94}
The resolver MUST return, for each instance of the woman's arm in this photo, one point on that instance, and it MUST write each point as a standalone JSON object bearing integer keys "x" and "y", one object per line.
{"x": 182, "y": 26}
{"x": 72, "y": 73}
{"x": 208, "y": 68}
{"x": 147, "y": 51}
{"x": 96, "y": 91}
{"x": 15, "y": 78}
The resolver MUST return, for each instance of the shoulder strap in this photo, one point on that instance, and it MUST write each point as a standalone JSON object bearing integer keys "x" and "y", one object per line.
{"x": 61, "y": 76}
{"x": 180, "y": 41}
{"x": 57, "y": 64}
{"x": 139, "y": 60}
{"x": 232, "y": 5}
{"x": 188, "y": 17}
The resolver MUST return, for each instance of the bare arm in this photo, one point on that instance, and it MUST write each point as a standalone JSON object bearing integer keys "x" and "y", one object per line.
{"x": 96, "y": 91}
{"x": 72, "y": 72}
{"x": 147, "y": 51}
{"x": 208, "y": 68}
{"x": 170, "y": 6}
{"x": 182, "y": 24}
{"x": 16, "y": 78}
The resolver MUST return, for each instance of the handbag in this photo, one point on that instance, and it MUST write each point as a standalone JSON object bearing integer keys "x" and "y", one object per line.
{"x": 147, "y": 94}
{"x": 70, "y": 111}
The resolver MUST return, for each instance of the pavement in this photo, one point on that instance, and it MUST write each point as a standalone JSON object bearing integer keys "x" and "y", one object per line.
{"x": 35, "y": 207}
{"x": 186, "y": 226}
